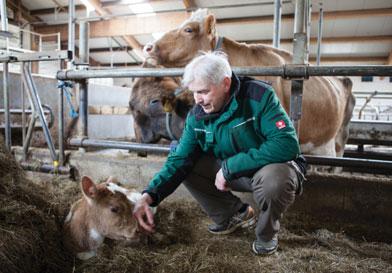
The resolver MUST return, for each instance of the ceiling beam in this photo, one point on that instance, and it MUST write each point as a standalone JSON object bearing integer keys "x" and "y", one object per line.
{"x": 132, "y": 25}
{"x": 331, "y": 40}
{"x": 190, "y": 5}
{"x": 328, "y": 15}
{"x": 129, "y": 39}
{"x": 18, "y": 6}
{"x": 163, "y": 22}
{"x": 47, "y": 11}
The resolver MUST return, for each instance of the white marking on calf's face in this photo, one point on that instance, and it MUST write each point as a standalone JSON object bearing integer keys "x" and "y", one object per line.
{"x": 96, "y": 236}
{"x": 131, "y": 195}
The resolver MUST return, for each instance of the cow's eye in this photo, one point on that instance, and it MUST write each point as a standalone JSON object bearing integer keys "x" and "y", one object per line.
{"x": 114, "y": 209}
{"x": 188, "y": 30}
{"x": 155, "y": 101}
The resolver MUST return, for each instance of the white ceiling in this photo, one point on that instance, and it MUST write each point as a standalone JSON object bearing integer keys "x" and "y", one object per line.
{"x": 342, "y": 27}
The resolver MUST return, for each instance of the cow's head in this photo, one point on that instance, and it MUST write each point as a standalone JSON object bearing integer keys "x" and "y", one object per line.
{"x": 109, "y": 210}
{"x": 150, "y": 99}
{"x": 178, "y": 47}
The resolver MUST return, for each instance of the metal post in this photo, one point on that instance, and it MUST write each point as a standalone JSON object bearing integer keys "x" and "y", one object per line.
{"x": 38, "y": 109}
{"x": 71, "y": 31}
{"x": 83, "y": 85}
{"x": 308, "y": 22}
{"x": 277, "y": 21}
{"x": 300, "y": 57}
{"x": 320, "y": 33}
{"x": 61, "y": 126}
{"x": 4, "y": 26}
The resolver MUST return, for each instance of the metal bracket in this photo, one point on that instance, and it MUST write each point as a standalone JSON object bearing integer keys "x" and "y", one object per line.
{"x": 296, "y": 71}
{"x": 35, "y": 56}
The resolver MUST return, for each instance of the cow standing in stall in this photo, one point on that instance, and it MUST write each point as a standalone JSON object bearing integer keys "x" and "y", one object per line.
{"x": 105, "y": 210}
{"x": 327, "y": 101}
{"x": 147, "y": 105}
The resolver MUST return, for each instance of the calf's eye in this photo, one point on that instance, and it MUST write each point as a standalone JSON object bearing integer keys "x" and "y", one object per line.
{"x": 114, "y": 209}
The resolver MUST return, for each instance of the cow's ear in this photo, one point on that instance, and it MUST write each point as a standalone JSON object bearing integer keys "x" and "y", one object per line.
{"x": 210, "y": 25}
{"x": 88, "y": 187}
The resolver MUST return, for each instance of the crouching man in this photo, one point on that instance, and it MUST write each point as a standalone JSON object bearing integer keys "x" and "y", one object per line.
{"x": 237, "y": 137}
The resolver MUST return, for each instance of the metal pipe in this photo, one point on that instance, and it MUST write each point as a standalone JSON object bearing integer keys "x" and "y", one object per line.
{"x": 4, "y": 18}
{"x": 299, "y": 57}
{"x": 366, "y": 164}
{"x": 299, "y": 17}
{"x": 286, "y": 71}
{"x": 61, "y": 126}
{"x": 71, "y": 30}
{"x": 320, "y": 33}
{"x": 277, "y": 21}
{"x": 7, "y": 116}
{"x": 46, "y": 168}
{"x": 4, "y": 27}
{"x": 83, "y": 42}
{"x": 22, "y": 94}
{"x": 83, "y": 85}
{"x": 26, "y": 142}
{"x": 137, "y": 147}
{"x": 164, "y": 149}
{"x": 308, "y": 23}
{"x": 38, "y": 108}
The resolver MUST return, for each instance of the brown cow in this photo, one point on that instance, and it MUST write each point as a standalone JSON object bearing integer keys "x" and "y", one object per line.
{"x": 327, "y": 101}
{"x": 147, "y": 108}
{"x": 105, "y": 210}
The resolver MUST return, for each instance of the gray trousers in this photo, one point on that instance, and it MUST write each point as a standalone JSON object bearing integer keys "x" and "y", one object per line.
{"x": 274, "y": 188}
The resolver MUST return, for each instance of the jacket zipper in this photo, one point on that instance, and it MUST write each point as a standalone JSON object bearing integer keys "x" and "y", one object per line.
{"x": 246, "y": 121}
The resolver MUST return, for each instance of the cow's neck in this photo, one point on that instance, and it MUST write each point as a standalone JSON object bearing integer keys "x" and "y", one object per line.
{"x": 241, "y": 54}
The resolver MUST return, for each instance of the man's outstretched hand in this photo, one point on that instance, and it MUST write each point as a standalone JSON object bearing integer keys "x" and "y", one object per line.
{"x": 143, "y": 214}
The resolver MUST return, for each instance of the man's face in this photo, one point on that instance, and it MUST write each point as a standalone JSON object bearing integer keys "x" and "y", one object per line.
{"x": 211, "y": 97}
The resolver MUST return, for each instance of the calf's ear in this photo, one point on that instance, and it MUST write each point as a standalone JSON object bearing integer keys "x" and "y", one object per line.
{"x": 88, "y": 187}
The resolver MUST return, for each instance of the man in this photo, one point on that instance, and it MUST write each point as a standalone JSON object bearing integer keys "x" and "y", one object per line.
{"x": 240, "y": 137}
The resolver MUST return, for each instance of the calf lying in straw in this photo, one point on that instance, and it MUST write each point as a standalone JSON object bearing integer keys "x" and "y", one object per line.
{"x": 105, "y": 210}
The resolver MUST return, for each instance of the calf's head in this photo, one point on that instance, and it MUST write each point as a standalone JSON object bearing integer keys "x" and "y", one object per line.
{"x": 109, "y": 210}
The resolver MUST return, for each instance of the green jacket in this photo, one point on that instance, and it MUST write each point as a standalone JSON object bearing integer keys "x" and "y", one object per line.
{"x": 251, "y": 131}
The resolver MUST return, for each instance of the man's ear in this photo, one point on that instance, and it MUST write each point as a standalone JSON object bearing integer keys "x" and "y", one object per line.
{"x": 227, "y": 83}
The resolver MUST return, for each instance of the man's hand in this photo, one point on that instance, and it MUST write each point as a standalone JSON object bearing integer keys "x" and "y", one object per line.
{"x": 220, "y": 182}
{"x": 143, "y": 213}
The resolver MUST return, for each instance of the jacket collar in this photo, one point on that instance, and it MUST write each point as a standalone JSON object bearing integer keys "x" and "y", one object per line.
{"x": 230, "y": 105}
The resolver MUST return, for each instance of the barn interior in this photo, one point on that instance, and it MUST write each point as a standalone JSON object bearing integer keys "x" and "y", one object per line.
{"x": 67, "y": 71}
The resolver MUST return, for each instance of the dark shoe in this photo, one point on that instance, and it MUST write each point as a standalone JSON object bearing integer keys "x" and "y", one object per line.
{"x": 240, "y": 219}
{"x": 265, "y": 248}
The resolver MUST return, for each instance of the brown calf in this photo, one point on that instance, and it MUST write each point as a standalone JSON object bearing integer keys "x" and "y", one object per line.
{"x": 105, "y": 210}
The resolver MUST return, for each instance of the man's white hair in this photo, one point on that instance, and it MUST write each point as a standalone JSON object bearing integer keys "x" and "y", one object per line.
{"x": 210, "y": 67}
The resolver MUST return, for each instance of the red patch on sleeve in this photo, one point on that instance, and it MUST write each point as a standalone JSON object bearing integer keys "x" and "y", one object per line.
{"x": 280, "y": 124}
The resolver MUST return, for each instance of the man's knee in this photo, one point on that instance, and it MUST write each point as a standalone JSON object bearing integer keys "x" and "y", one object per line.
{"x": 274, "y": 180}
